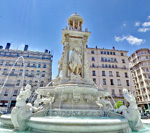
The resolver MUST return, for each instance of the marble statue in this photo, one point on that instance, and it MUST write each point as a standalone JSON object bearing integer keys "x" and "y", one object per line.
{"x": 60, "y": 63}
{"x": 104, "y": 103}
{"x": 20, "y": 113}
{"x": 37, "y": 101}
{"x": 131, "y": 113}
{"x": 47, "y": 101}
{"x": 75, "y": 62}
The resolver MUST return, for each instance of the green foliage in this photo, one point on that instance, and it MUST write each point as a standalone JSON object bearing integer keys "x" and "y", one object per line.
{"x": 118, "y": 104}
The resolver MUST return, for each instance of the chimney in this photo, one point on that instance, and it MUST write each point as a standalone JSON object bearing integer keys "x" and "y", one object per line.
{"x": 26, "y": 48}
{"x": 86, "y": 46}
{"x": 8, "y": 46}
{"x": 1, "y": 47}
{"x": 96, "y": 47}
{"x": 113, "y": 48}
{"x": 46, "y": 51}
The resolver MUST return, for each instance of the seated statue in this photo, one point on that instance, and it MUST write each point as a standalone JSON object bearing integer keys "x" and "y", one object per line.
{"x": 131, "y": 113}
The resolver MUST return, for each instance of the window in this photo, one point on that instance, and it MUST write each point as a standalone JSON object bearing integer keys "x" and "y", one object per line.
{"x": 109, "y": 66}
{"x": 115, "y": 66}
{"x": 108, "y": 60}
{"x": 104, "y": 81}
{"x": 94, "y": 80}
{"x": 119, "y": 82}
{"x": 113, "y": 92}
{"x": 103, "y": 73}
{"x": 93, "y": 65}
{"x": 6, "y": 93}
{"x": 115, "y": 60}
{"x": 126, "y": 75}
{"x": 102, "y": 58}
{"x": 20, "y": 72}
{"x": 18, "y": 83}
{"x": 15, "y": 92}
{"x": 101, "y": 52}
{"x": 28, "y": 65}
{"x": 105, "y": 59}
{"x": 108, "y": 52}
{"x": 43, "y": 74}
{"x": 93, "y": 73}
{"x": 7, "y": 64}
{"x": 110, "y": 74}
{"x": 114, "y": 53}
{"x": 93, "y": 59}
{"x": 39, "y": 65}
{"x": 34, "y": 65}
{"x": 44, "y": 66}
{"x": 38, "y": 72}
{"x": 122, "y": 54}
{"x": 112, "y": 66}
{"x": 32, "y": 73}
{"x": 104, "y": 52}
{"x": 42, "y": 84}
{"x": 117, "y": 74}
{"x": 120, "y": 92}
{"x": 26, "y": 73}
{"x": 147, "y": 70}
{"x": 111, "y": 82}
{"x": 103, "y": 66}
{"x": 127, "y": 82}
{"x": 123, "y": 61}
{"x": 92, "y": 52}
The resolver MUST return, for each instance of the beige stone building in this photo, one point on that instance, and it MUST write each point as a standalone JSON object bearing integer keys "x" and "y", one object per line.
{"x": 140, "y": 68}
{"x": 109, "y": 69}
{"x": 38, "y": 72}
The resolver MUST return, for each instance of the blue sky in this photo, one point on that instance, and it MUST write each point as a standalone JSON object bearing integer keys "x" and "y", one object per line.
{"x": 124, "y": 24}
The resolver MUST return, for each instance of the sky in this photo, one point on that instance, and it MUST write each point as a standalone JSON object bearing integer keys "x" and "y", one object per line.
{"x": 124, "y": 24}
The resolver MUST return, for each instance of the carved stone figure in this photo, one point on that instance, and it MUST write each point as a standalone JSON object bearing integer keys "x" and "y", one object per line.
{"x": 60, "y": 63}
{"x": 47, "y": 101}
{"x": 20, "y": 113}
{"x": 102, "y": 102}
{"x": 131, "y": 113}
{"x": 75, "y": 62}
{"x": 37, "y": 101}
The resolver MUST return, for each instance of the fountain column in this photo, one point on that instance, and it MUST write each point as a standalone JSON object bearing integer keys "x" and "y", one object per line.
{"x": 66, "y": 59}
{"x": 85, "y": 62}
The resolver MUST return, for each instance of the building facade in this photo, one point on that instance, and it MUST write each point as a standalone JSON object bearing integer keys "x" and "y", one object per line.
{"x": 36, "y": 68}
{"x": 109, "y": 69}
{"x": 140, "y": 68}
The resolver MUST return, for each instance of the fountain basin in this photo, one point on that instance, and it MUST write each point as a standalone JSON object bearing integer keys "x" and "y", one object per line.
{"x": 72, "y": 124}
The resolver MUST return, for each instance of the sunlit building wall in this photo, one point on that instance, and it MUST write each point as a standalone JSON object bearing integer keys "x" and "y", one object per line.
{"x": 109, "y": 69}
{"x": 38, "y": 72}
{"x": 140, "y": 68}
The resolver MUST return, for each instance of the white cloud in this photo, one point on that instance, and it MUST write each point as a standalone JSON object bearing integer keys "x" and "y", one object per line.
{"x": 130, "y": 39}
{"x": 137, "y": 24}
{"x": 146, "y": 24}
{"x": 143, "y": 29}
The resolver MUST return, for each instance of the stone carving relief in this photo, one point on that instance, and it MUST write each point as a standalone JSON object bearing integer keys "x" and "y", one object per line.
{"x": 75, "y": 62}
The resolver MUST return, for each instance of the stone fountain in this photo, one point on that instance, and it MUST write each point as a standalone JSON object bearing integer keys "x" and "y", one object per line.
{"x": 71, "y": 102}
